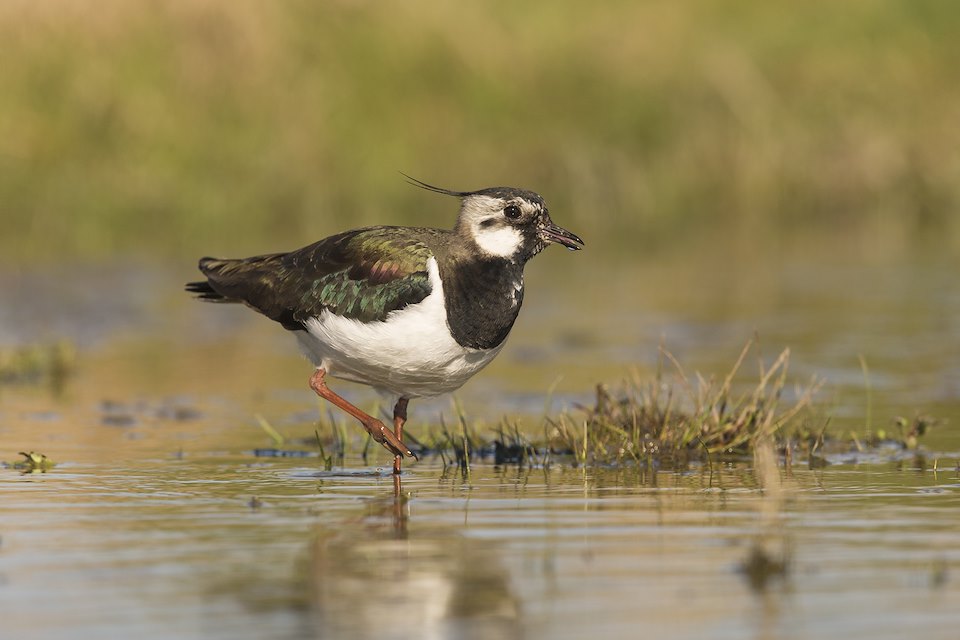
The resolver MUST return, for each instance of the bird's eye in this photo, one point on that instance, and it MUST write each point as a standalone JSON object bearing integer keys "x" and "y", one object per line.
{"x": 512, "y": 211}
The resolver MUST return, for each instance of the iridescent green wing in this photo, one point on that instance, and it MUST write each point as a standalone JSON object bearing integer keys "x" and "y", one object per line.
{"x": 363, "y": 274}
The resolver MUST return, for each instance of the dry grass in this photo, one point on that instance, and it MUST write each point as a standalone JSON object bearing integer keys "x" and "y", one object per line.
{"x": 670, "y": 421}
{"x": 690, "y": 419}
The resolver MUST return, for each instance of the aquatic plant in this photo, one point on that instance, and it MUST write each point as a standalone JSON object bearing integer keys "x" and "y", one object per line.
{"x": 32, "y": 462}
{"x": 656, "y": 421}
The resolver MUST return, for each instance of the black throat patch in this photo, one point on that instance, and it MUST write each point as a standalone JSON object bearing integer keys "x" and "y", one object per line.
{"x": 483, "y": 298}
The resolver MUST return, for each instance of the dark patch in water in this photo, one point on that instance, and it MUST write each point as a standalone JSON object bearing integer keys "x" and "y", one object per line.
{"x": 270, "y": 452}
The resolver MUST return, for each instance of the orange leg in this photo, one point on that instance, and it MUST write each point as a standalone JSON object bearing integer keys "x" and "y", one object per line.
{"x": 399, "y": 418}
{"x": 377, "y": 430}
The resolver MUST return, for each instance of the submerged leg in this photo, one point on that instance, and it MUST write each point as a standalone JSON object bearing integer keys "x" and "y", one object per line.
{"x": 399, "y": 418}
{"x": 377, "y": 430}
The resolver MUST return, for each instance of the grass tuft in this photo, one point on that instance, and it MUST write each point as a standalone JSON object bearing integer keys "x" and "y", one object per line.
{"x": 652, "y": 422}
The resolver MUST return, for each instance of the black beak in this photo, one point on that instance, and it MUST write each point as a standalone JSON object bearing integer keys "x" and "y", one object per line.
{"x": 551, "y": 232}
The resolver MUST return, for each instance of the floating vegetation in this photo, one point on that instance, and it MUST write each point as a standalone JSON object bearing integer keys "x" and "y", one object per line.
{"x": 32, "y": 462}
{"x": 910, "y": 431}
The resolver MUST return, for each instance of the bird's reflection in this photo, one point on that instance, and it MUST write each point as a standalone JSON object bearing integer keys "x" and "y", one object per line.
{"x": 377, "y": 576}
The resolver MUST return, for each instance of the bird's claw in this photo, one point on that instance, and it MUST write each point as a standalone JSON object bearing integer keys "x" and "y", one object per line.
{"x": 389, "y": 440}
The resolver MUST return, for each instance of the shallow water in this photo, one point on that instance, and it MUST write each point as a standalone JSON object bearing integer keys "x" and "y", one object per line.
{"x": 174, "y": 547}
{"x": 159, "y": 521}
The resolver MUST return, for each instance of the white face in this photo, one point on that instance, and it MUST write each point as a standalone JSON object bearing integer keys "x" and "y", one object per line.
{"x": 494, "y": 232}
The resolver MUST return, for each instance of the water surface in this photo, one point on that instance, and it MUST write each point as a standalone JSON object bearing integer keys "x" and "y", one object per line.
{"x": 159, "y": 521}
{"x": 225, "y": 546}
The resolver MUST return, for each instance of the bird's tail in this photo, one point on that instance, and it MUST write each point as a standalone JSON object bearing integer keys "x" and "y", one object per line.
{"x": 205, "y": 292}
{"x": 204, "y": 288}
{"x": 245, "y": 280}
{"x": 215, "y": 269}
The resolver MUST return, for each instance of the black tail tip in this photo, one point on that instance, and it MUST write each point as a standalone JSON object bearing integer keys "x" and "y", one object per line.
{"x": 203, "y": 291}
{"x": 198, "y": 287}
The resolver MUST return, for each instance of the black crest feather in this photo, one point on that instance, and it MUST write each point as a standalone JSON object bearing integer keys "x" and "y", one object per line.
{"x": 494, "y": 192}
{"x": 430, "y": 187}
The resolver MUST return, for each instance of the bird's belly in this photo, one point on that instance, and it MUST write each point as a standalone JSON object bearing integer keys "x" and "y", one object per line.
{"x": 410, "y": 354}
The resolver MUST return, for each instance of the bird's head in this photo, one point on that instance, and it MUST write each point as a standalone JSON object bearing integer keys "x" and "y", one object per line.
{"x": 506, "y": 222}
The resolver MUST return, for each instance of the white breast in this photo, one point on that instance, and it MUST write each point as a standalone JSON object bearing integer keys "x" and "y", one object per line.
{"x": 410, "y": 354}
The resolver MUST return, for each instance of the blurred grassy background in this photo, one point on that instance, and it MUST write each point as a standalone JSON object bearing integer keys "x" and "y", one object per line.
{"x": 175, "y": 128}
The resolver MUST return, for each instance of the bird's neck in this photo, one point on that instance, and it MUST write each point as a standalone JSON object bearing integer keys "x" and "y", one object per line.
{"x": 482, "y": 296}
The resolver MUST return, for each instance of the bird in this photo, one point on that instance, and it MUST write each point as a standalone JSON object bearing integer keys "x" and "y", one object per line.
{"x": 413, "y": 312}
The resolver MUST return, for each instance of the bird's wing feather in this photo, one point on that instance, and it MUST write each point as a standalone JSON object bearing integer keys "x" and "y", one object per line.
{"x": 362, "y": 274}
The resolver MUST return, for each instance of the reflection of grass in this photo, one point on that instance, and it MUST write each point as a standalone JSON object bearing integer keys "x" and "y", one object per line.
{"x": 216, "y": 125}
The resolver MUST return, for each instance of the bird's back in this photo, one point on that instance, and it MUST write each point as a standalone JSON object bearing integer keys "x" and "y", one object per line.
{"x": 362, "y": 274}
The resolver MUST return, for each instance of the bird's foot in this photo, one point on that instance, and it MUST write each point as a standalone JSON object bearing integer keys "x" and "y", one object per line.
{"x": 379, "y": 432}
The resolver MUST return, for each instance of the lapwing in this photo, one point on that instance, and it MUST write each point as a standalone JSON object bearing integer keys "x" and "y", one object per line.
{"x": 413, "y": 312}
